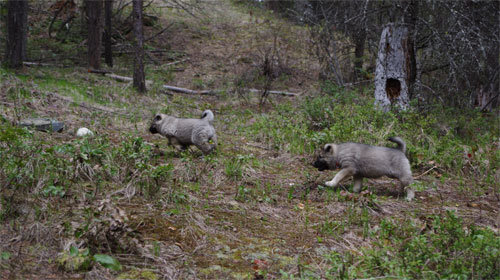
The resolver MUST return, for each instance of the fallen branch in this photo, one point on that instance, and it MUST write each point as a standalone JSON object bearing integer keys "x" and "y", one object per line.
{"x": 189, "y": 91}
{"x": 55, "y": 16}
{"x": 39, "y": 64}
{"x": 85, "y": 105}
{"x": 425, "y": 172}
{"x": 159, "y": 33}
{"x": 175, "y": 62}
{"x": 284, "y": 93}
{"x": 185, "y": 90}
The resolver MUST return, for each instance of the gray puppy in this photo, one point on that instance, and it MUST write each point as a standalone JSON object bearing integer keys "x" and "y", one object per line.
{"x": 365, "y": 161}
{"x": 182, "y": 133}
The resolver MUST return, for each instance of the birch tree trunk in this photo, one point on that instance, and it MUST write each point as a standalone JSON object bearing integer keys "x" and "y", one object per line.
{"x": 393, "y": 74}
{"x": 139, "y": 76}
{"x": 17, "y": 28}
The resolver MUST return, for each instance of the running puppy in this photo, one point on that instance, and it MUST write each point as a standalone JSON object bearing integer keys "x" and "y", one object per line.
{"x": 360, "y": 161}
{"x": 182, "y": 133}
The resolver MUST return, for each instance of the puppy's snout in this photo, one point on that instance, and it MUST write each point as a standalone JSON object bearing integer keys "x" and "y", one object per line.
{"x": 320, "y": 164}
{"x": 153, "y": 129}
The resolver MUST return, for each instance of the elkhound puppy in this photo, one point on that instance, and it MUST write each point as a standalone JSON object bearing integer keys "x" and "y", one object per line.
{"x": 182, "y": 133}
{"x": 360, "y": 160}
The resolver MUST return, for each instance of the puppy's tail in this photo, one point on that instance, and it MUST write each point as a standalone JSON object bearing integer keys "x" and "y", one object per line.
{"x": 207, "y": 115}
{"x": 400, "y": 142}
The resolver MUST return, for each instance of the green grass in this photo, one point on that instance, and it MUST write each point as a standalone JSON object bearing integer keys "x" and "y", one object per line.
{"x": 441, "y": 248}
{"x": 458, "y": 142}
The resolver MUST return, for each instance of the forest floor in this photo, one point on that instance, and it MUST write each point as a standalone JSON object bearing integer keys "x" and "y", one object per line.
{"x": 251, "y": 210}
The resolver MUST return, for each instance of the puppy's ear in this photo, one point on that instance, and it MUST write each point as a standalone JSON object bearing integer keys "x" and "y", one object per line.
{"x": 158, "y": 118}
{"x": 329, "y": 148}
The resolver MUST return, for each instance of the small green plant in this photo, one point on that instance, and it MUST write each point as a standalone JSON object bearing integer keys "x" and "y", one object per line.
{"x": 242, "y": 193}
{"x": 53, "y": 191}
{"x": 4, "y": 255}
{"x": 107, "y": 261}
{"x": 234, "y": 166}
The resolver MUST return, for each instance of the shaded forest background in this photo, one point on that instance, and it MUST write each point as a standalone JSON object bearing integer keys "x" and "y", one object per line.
{"x": 456, "y": 43}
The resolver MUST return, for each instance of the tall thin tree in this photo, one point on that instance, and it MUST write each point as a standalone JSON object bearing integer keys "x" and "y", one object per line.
{"x": 108, "y": 54}
{"x": 94, "y": 20}
{"x": 139, "y": 76}
{"x": 17, "y": 28}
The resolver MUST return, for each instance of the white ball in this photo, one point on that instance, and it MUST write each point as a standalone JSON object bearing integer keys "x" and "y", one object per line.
{"x": 82, "y": 131}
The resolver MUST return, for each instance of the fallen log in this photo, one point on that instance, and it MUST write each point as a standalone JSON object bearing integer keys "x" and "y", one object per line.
{"x": 40, "y": 64}
{"x": 118, "y": 77}
{"x": 190, "y": 91}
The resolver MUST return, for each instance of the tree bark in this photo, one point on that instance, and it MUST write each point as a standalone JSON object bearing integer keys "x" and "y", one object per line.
{"x": 410, "y": 18}
{"x": 393, "y": 68}
{"x": 139, "y": 76}
{"x": 17, "y": 28}
{"x": 94, "y": 20}
{"x": 108, "y": 13}
{"x": 359, "y": 50}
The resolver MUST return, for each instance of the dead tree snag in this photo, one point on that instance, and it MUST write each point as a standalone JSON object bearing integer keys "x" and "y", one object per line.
{"x": 394, "y": 72}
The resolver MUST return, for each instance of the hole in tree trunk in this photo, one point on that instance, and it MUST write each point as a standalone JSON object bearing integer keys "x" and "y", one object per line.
{"x": 393, "y": 89}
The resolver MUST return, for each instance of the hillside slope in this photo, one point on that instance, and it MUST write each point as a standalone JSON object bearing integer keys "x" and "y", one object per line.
{"x": 124, "y": 205}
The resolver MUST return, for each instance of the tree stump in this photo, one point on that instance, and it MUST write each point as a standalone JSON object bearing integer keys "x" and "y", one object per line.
{"x": 393, "y": 74}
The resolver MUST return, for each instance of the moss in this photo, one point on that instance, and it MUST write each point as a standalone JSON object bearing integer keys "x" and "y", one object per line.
{"x": 74, "y": 263}
{"x": 138, "y": 274}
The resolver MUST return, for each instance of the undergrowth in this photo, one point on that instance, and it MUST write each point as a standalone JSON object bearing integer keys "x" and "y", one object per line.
{"x": 443, "y": 247}
{"x": 455, "y": 142}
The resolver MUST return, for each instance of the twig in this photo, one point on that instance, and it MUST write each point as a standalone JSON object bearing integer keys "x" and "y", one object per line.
{"x": 425, "y": 172}
{"x": 55, "y": 16}
{"x": 484, "y": 107}
{"x": 175, "y": 62}
{"x": 160, "y": 32}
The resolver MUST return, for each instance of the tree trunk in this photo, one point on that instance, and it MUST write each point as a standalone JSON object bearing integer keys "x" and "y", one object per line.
{"x": 359, "y": 50}
{"x": 410, "y": 18}
{"x": 393, "y": 70}
{"x": 17, "y": 28}
{"x": 94, "y": 20}
{"x": 139, "y": 77}
{"x": 108, "y": 13}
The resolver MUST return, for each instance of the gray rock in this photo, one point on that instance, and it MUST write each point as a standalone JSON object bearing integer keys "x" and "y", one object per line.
{"x": 43, "y": 124}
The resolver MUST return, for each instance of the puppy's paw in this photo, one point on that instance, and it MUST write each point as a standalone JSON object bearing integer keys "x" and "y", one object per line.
{"x": 330, "y": 183}
{"x": 410, "y": 195}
